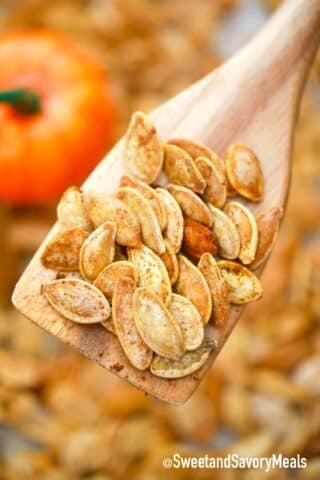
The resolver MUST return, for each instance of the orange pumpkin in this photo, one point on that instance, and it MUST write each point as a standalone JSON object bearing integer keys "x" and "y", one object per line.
{"x": 56, "y": 115}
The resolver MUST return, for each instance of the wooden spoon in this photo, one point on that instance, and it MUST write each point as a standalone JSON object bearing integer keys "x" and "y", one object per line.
{"x": 253, "y": 98}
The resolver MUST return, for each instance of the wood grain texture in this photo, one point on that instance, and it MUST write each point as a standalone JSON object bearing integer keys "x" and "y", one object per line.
{"x": 253, "y": 98}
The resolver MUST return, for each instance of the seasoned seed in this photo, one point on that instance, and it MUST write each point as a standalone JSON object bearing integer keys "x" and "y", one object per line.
{"x": 108, "y": 277}
{"x": 268, "y": 228}
{"x": 197, "y": 149}
{"x": 244, "y": 172}
{"x": 150, "y": 228}
{"x": 137, "y": 352}
{"x": 189, "y": 363}
{"x": 150, "y": 194}
{"x": 246, "y": 226}
{"x": 243, "y": 285}
{"x": 226, "y": 234}
{"x": 174, "y": 229}
{"x": 143, "y": 150}
{"x": 63, "y": 250}
{"x": 71, "y": 212}
{"x": 197, "y": 240}
{"x": 106, "y": 208}
{"x": 191, "y": 205}
{"x": 192, "y": 285}
{"x": 97, "y": 251}
{"x": 77, "y": 300}
{"x": 152, "y": 272}
{"x": 156, "y": 325}
{"x": 218, "y": 288}
{"x": 180, "y": 169}
{"x": 189, "y": 319}
{"x": 216, "y": 190}
{"x": 169, "y": 258}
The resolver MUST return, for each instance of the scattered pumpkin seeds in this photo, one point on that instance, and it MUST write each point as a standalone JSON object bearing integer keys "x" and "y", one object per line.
{"x": 147, "y": 317}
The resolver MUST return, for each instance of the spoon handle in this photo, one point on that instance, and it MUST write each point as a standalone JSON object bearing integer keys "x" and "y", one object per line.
{"x": 294, "y": 32}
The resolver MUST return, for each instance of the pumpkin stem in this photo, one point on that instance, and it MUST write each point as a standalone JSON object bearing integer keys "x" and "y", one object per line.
{"x": 24, "y": 100}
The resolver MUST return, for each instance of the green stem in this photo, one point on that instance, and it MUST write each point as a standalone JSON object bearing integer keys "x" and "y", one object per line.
{"x": 23, "y": 100}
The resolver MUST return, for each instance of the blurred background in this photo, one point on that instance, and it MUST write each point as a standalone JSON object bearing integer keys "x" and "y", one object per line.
{"x": 64, "y": 418}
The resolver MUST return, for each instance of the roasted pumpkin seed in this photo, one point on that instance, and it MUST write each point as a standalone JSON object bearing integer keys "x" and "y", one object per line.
{"x": 189, "y": 363}
{"x": 192, "y": 285}
{"x": 107, "y": 278}
{"x": 169, "y": 258}
{"x": 71, "y": 212}
{"x": 189, "y": 319}
{"x": 156, "y": 325}
{"x": 106, "y": 208}
{"x": 77, "y": 300}
{"x": 218, "y": 288}
{"x": 196, "y": 149}
{"x": 216, "y": 190}
{"x": 268, "y": 227}
{"x": 180, "y": 169}
{"x": 191, "y": 205}
{"x": 97, "y": 251}
{"x": 197, "y": 239}
{"x": 150, "y": 194}
{"x": 243, "y": 285}
{"x": 137, "y": 352}
{"x": 143, "y": 150}
{"x": 152, "y": 272}
{"x": 226, "y": 234}
{"x": 150, "y": 229}
{"x": 246, "y": 226}
{"x": 63, "y": 250}
{"x": 174, "y": 229}
{"x": 244, "y": 172}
